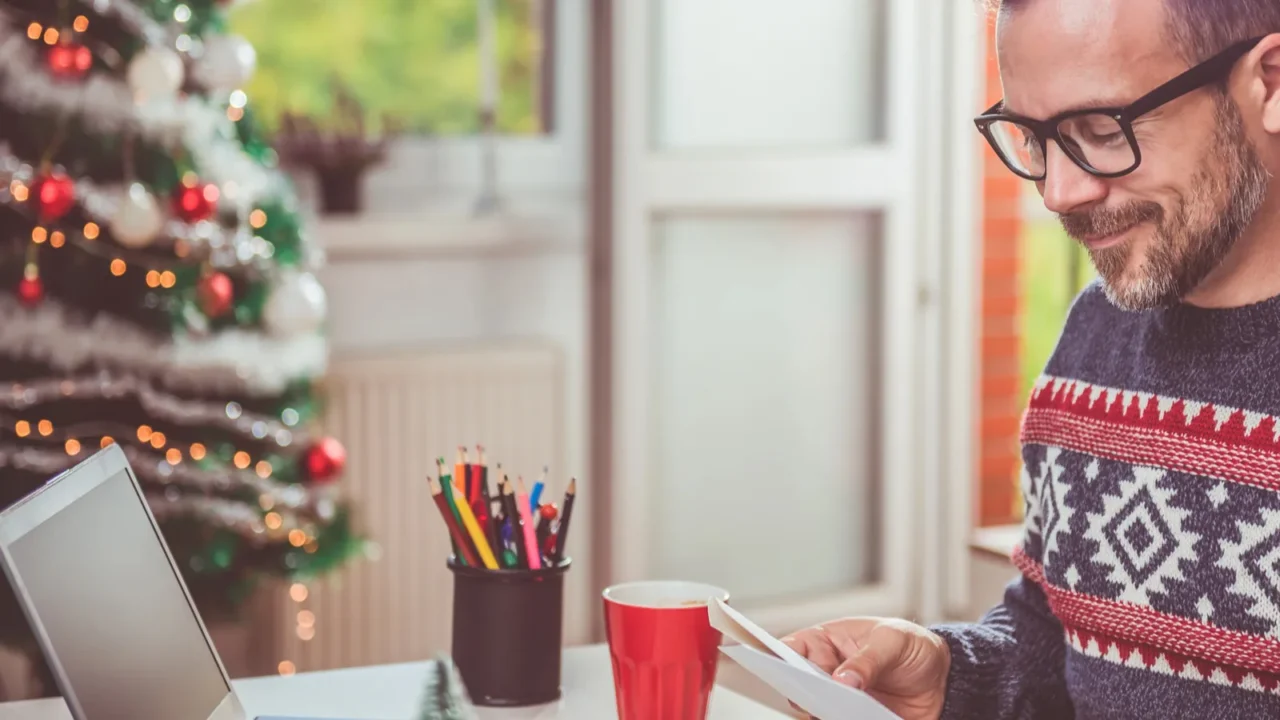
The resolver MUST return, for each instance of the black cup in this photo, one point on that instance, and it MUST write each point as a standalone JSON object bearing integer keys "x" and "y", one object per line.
{"x": 507, "y": 633}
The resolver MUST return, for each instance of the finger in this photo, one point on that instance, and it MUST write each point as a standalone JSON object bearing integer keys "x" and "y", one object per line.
{"x": 814, "y": 645}
{"x": 864, "y": 661}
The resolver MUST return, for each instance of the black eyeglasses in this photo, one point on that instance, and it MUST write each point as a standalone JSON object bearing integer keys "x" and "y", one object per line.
{"x": 1099, "y": 140}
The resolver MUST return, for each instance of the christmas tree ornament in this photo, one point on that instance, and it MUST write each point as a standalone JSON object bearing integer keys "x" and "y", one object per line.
{"x": 30, "y": 287}
{"x": 297, "y": 304}
{"x": 227, "y": 63}
{"x": 54, "y": 194}
{"x": 217, "y": 294}
{"x": 137, "y": 219}
{"x": 325, "y": 460}
{"x": 195, "y": 202}
{"x": 155, "y": 74}
{"x": 69, "y": 60}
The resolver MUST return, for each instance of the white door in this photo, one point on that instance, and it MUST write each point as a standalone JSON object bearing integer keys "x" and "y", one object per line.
{"x": 779, "y": 265}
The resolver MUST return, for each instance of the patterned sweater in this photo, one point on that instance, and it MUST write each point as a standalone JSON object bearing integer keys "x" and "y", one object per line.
{"x": 1150, "y": 559}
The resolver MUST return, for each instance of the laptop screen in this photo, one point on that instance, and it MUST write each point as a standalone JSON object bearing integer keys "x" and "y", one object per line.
{"x": 114, "y": 612}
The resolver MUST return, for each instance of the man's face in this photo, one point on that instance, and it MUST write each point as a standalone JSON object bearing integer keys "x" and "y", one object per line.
{"x": 1153, "y": 235}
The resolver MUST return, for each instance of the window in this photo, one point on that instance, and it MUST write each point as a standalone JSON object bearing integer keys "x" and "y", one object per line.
{"x": 417, "y": 70}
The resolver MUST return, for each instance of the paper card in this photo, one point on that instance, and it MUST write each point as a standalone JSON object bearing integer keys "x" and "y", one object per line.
{"x": 818, "y": 695}
{"x": 789, "y": 672}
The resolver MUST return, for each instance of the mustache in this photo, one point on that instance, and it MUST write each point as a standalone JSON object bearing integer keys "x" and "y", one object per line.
{"x": 1109, "y": 221}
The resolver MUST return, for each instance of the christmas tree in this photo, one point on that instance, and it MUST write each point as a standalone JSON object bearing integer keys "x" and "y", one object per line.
{"x": 157, "y": 291}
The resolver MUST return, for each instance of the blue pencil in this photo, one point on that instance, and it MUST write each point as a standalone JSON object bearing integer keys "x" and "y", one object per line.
{"x": 537, "y": 492}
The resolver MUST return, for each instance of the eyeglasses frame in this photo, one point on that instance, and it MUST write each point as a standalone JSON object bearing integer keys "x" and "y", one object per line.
{"x": 1193, "y": 79}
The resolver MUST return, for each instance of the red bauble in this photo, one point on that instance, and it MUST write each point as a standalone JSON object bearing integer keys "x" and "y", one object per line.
{"x": 69, "y": 60}
{"x": 216, "y": 294}
{"x": 194, "y": 203}
{"x": 30, "y": 291}
{"x": 325, "y": 460}
{"x": 54, "y": 195}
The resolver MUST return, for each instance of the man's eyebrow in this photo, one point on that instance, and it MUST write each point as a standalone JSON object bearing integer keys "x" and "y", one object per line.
{"x": 1084, "y": 106}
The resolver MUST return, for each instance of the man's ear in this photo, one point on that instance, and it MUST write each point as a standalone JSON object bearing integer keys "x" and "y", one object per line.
{"x": 1269, "y": 76}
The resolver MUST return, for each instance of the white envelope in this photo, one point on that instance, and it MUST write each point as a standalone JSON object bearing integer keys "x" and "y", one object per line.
{"x": 789, "y": 673}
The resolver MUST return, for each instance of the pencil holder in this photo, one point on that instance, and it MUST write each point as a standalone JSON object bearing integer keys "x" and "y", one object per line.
{"x": 507, "y": 633}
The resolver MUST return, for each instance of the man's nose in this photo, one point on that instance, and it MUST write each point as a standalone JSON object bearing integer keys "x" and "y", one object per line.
{"x": 1067, "y": 187}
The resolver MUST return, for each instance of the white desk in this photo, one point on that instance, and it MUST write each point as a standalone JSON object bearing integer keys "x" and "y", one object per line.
{"x": 392, "y": 692}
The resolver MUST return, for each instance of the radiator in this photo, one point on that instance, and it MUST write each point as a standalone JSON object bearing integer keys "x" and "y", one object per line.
{"x": 395, "y": 414}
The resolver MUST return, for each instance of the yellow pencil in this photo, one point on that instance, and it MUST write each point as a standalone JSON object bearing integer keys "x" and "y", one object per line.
{"x": 473, "y": 527}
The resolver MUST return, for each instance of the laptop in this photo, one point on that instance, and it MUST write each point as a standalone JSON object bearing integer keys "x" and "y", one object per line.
{"x": 107, "y": 604}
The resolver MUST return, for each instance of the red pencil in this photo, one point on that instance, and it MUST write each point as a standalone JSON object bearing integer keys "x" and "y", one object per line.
{"x": 463, "y": 544}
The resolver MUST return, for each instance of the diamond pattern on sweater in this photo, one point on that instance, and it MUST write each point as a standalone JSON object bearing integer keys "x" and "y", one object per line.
{"x": 1140, "y": 536}
{"x": 1255, "y": 561}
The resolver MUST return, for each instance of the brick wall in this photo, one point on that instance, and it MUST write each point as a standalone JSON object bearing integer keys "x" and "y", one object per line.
{"x": 1001, "y": 342}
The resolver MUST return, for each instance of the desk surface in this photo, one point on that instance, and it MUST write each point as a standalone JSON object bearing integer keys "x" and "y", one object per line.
{"x": 391, "y": 692}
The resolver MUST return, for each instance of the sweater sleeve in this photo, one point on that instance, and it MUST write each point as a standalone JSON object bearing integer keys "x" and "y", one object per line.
{"x": 1009, "y": 664}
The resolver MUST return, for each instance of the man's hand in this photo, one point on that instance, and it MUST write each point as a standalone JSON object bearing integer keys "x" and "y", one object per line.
{"x": 901, "y": 664}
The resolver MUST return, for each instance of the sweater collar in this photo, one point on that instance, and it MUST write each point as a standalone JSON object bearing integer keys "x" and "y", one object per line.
{"x": 1223, "y": 326}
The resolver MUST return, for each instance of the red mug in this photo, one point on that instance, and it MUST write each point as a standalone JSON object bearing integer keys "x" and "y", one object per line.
{"x": 663, "y": 648}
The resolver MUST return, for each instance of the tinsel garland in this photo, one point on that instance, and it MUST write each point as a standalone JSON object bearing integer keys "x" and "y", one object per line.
{"x": 225, "y": 362}
{"x": 106, "y": 384}
{"x": 106, "y": 106}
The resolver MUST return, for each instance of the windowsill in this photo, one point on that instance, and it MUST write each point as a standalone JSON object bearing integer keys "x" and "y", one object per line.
{"x": 996, "y": 541}
{"x": 453, "y": 231}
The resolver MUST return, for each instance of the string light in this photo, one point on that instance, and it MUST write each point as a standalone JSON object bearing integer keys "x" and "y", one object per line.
{"x": 51, "y": 36}
{"x": 311, "y": 547}
{"x": 263, "y": 468}
{"x": 73, "y": 446}
{"x": 157, "y": 440}
{"x": 237, "y": 98}
{"x": 306, "y": 618}
{"x": 81, "y": 23}
{"x": 153, "y": 279}
{"x": 235, "y": 114}
{"x": 173, "y": 455}
{"x": 286, "y": 668}
{"x": 168, "y": 279}
{"x": 34, "y": 30}
{"x": 45, "y": 427}
{"x": 196, "y": 452}
{"x": 144, "y": 433}
{"x": 298, "y": 592}
{"x": 39, "y": 234}
{"x": 57, "y": 239}
{"x": 273, "y": 521}
{"x": 297, "y": 538}
{"x": 241, "y": 459}
{"x": 90, "y": 231}
{"x": 22, "y": 428}
{"x": 106, "y": 440}
{"x": 118, "y": 267}
{"x": 257, "y": 219}
{"x": 266, "y": 501}
{"x": 306, "y": 633}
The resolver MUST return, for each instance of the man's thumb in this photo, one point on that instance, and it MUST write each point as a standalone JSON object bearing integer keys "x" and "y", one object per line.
{"x": 864, "y": 661}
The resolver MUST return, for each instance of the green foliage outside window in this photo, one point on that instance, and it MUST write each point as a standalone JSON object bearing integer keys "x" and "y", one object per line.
{"x": 413, "y": 61}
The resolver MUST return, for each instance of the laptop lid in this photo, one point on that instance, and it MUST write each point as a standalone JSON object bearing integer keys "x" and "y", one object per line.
{"x": 115, "y": 620}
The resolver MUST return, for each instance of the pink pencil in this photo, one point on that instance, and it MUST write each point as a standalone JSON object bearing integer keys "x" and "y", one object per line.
{"x": 530, "y": 537}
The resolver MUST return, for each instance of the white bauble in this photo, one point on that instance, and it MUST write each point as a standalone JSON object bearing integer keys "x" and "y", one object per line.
{"x": 155, "y": 74}
{"x": 137, "y": 219}
{"x": 227, "y": 63}
{"x": 296, "y": 305}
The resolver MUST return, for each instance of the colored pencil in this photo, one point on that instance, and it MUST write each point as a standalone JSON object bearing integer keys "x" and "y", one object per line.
{"x": 455, "y": 533}
{"x": 566, "y": 515}
{"x": 460, "y": 472}
{"x": 546, "y": 514}
{"x": 477, "y": 536}
{"x": 447, "y": 487}
{"x": 530, "y": 533}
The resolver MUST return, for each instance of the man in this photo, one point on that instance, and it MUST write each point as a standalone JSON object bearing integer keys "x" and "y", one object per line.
{"x": 1151, "y": 555}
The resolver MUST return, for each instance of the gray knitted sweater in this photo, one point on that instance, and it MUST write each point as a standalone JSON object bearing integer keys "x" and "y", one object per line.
{"x": 1150, "y": 557}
